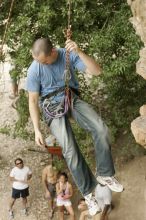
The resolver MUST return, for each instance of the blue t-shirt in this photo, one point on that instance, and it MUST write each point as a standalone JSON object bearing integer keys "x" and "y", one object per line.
{"x": 47, "y": 78}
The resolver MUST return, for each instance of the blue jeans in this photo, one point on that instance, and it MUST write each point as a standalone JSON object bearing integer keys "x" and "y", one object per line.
{"x": 88, "y": 119}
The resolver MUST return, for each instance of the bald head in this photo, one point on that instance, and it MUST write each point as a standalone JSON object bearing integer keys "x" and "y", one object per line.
{"x": 42, "y": 46}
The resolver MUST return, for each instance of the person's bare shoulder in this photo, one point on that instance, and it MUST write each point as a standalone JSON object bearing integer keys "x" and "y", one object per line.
{"x": 50, "y": 170}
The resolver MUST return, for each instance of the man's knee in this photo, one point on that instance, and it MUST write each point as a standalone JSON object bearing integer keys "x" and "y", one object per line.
{"x": 101, "y": 131}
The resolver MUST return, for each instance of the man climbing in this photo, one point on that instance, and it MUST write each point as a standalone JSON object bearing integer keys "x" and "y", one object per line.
{"x": 46, "y": 78}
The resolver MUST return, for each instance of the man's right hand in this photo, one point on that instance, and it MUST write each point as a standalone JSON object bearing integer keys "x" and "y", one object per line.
{"x": 39, "y": 139}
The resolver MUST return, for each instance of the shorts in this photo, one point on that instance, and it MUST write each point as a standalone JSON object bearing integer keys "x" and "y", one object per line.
{"x": 52, "y": 189}
{"x": 65, "y": 202}
{"x": 17, "y": 193}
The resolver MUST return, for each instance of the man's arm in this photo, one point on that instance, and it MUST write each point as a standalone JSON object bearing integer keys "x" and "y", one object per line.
{"x": 29, "y": 176}
{"x": 15, "y": 180}
{"x": 92, "y": 67}
{"x": 35, "y": 116}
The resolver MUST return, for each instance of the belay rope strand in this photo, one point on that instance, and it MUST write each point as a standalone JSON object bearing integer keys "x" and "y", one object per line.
{"x": 67, "y": 73}
{"x": 68, "y": 34}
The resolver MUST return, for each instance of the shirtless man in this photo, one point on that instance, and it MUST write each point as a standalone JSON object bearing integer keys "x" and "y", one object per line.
{"x": 49, "y": 179}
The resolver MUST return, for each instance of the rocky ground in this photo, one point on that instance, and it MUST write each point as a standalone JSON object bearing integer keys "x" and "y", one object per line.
{"x": 129, "y": 205}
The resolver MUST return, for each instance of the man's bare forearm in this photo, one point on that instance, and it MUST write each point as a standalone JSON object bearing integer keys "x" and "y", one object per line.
{"x": 90, "y": 63}
{"x": 14, "y": 180}
{"x": 34, "y": 114}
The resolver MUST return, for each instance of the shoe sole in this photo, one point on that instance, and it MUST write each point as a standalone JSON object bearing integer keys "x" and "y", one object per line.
{"x": 109, "y": 186}
{"x": 106, "y": 184}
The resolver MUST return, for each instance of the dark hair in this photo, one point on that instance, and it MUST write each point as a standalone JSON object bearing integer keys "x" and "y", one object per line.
{"x": 63, "y": 174}
{"x": 42, "y": 45}
{"x": 81, "y": 200}
{"x": 19, "y": 160}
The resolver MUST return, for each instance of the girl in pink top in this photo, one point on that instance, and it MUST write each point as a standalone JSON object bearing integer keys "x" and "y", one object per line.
{"x": 64, "y": 193}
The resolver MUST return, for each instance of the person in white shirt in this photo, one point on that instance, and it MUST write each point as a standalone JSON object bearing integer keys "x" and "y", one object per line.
{"x": 103, "y": 196}
{"x": 20, "y": 175}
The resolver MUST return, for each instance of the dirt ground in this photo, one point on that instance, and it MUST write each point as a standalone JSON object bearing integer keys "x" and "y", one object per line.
{"x": 129, "y": 205}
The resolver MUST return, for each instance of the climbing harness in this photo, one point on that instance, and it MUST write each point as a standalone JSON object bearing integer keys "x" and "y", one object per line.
{"x": 57, "y": 110}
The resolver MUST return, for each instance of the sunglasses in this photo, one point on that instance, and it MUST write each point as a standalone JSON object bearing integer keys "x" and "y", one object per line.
{"x": 18, "y": 163}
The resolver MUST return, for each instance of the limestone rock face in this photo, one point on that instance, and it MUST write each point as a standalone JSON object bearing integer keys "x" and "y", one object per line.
{"x": 143, "y": 110}
{"x": 138, "y": 127}
{"x": 138, "y": 8}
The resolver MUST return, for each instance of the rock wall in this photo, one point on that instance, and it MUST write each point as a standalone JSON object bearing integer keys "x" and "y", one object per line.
{"x": 138, "y": 8}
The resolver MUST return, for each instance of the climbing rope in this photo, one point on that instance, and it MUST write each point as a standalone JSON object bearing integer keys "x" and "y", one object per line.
{"x": 68, "y": 34}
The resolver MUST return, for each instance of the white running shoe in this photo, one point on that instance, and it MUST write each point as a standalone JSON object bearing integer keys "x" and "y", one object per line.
{"x": 111, "y": 182}
{"x": 92, "y": 204}
{"x": 11, "y": 214}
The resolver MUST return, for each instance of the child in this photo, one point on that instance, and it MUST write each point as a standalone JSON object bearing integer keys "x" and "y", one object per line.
{"x": 64, "y": 193}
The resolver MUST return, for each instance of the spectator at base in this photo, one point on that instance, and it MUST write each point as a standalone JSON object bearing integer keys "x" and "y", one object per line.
{"x": 20, "y": 176}
{"x": 64, "y": 193}
{"x": 49, "y": 179}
